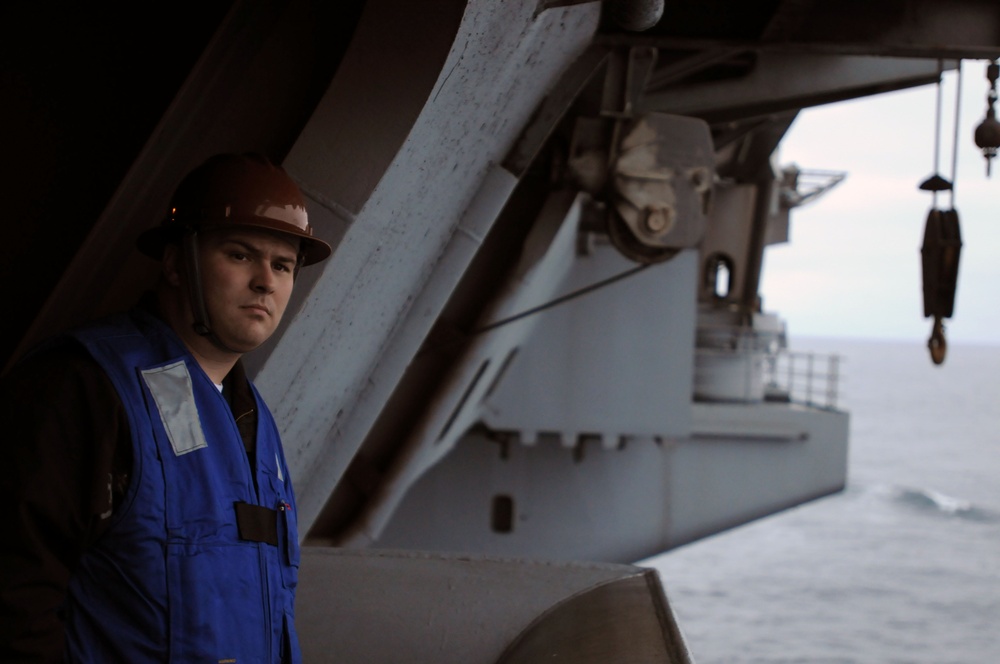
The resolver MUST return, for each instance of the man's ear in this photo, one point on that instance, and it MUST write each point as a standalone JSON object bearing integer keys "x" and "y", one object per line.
{"x": 171, "y": 264}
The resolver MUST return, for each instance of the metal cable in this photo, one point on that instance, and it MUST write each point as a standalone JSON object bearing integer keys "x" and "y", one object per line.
{"x": 954, "y": 150}
{"x": 564, "y": 298}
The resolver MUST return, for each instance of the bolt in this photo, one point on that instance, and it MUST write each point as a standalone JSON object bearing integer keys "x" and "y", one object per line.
{"x": 657, "y": 219}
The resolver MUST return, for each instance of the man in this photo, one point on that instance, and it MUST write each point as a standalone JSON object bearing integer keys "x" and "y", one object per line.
{"x": 150, "y": 516}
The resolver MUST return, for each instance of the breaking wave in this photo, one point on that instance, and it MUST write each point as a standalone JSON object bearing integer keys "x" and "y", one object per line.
{"x": 945, "y": 505}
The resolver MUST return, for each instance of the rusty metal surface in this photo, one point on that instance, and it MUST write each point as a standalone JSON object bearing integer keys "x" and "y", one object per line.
{"x": 663, "y": 179}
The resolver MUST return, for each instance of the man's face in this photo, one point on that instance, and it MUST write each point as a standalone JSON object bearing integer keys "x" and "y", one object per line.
{"x": 247, "y": 277}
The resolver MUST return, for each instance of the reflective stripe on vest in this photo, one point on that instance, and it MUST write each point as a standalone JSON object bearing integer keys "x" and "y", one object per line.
{"x": 171, "y": 389}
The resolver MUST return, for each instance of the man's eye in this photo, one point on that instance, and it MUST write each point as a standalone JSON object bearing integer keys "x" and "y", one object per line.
{"x": 282, "y": 267}
{"x": 238, "y": 256}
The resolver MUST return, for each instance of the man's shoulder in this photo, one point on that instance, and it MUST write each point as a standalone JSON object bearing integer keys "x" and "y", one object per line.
{"x": 58, "y": 354}
{"x": 61, "y": 369}
{"x": 117, "y": 325}
{"x": 69, "y": 357}
{"x": 131, "y": 338}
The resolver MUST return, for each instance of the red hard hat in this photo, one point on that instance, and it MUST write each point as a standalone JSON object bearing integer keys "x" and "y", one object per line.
{"x": 237, "y": 190}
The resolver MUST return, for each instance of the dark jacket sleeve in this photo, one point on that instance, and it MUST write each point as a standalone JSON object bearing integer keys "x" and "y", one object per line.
{"x": 66, "y": 457}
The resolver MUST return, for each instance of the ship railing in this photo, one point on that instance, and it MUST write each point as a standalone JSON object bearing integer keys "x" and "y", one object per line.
{"x": 752, "y": 376}
{"x": 811, "y": 379}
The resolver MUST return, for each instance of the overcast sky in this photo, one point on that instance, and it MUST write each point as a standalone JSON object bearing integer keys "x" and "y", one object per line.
{"x": 852, "y": 268}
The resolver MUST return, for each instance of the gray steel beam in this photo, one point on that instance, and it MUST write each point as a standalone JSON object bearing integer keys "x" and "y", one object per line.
{"x": 902, "y": 28}
{"x": 783, "y": 81}
{"x": 916, "y": 28}
{"x": 417, "y": 219}
{"x": 554, "y": 108}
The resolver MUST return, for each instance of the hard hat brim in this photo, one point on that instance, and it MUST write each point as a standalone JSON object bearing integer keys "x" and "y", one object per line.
{"x": 152, "y": 241}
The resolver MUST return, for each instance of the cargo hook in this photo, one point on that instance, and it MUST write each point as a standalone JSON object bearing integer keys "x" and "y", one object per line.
{"x": 937, "y": 344}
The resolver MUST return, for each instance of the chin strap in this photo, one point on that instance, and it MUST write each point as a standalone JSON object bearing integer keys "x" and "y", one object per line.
{"x": 201, "y": 325}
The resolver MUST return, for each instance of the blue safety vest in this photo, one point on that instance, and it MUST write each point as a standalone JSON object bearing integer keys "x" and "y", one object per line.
{"x": 197, "y": 565}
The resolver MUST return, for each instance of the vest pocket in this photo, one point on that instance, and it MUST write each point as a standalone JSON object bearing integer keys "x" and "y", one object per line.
{"x": 218, "y": 603}
{"x": 288, "y": 543}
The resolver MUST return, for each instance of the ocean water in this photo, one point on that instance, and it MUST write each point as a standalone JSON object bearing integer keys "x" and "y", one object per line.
{"x": 903, "y": 566}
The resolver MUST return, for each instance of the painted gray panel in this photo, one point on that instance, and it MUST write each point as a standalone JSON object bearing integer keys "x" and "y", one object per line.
{"x": 382, "y": 606}
{"x": 630, "y": 503}
{"x": 615, "y": 362}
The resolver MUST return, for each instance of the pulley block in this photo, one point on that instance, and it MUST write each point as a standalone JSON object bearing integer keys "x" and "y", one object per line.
{"x": 939, "y": 257}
